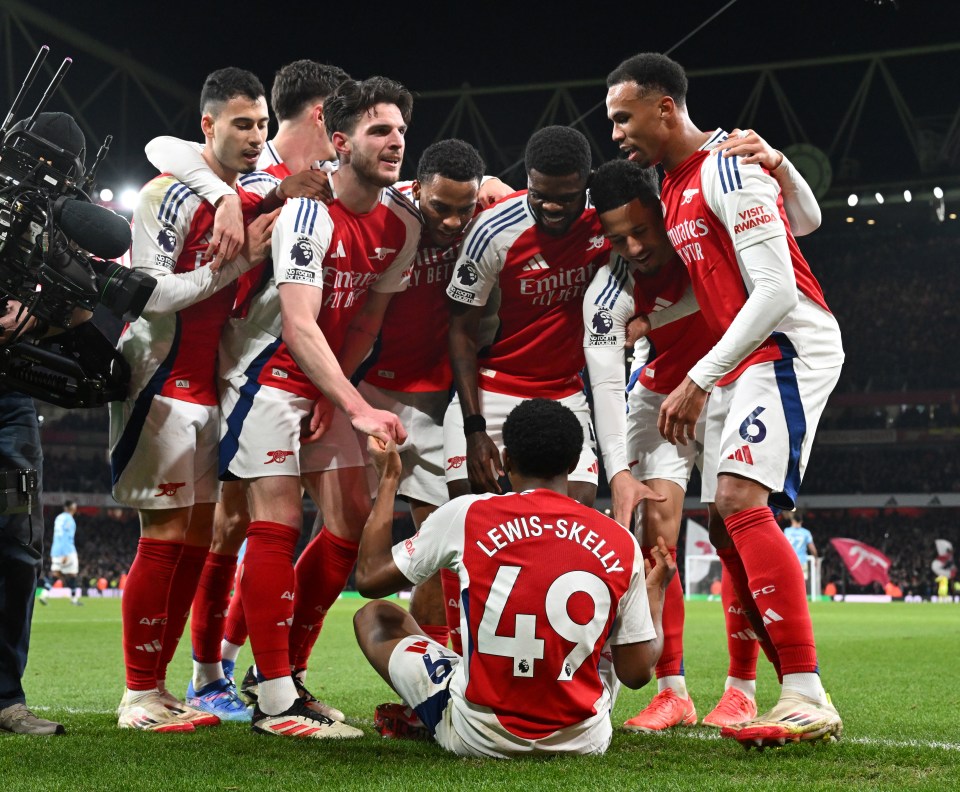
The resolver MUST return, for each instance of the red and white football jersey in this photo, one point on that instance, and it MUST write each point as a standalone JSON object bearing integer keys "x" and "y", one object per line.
{"x": 412, "y": 354}
{"x": 545, "y": 584}
{"x": 175, "y": 355}
{"x": 333, "y": 249}
{"x": 533, "y": 285}
{"x": 716, "y": 207}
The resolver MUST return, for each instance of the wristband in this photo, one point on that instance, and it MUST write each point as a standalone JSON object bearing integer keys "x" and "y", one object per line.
{"x": 279, "y": 192}
{"x": 474, "y": 423}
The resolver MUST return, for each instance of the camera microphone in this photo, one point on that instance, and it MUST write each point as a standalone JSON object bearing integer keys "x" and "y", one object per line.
{"x": 97, "y": 230}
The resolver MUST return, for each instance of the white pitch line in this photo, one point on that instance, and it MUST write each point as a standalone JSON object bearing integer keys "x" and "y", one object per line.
{"x": 711, "y": 735}
{"x": 869, "y": 741}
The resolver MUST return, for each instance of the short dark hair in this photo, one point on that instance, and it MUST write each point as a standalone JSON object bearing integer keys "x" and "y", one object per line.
{"x": 543, "y": 437}
{"x": 618, "y": 182}
{"x": 453, "y": 159}
{"x": 301, "y": 82}
{"x": 557, "y": 151}
{"x": 797, "y": 515}
{"x": 223, "y": 85}
{"x": 352, "y": 98}
{"x": 652, "y": 71}
{"x": 68, "y": 503}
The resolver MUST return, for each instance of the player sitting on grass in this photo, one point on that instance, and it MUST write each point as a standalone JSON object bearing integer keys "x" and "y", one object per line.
{"x": 555, "y": 611}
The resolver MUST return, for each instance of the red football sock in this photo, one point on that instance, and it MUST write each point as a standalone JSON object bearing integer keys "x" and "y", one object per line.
{"x": 235, "y": 630}
{"x": 438, "y": 632}
{"x": 144, "y": 609}
{"x": 742, "y": 644}
{"x": 322, "y": 571}
{"x": 733, "y": 565}
{"x": 671, "y": 659}
{"x": 183, "y": 587}
{"x": 210, "y": 606}
{"x": 451, "y": 604}
{"x": 776, "y": 580}
{"x": 267, "y": 589}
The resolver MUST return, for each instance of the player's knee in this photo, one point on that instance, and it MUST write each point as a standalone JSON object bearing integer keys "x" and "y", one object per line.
{"x": 736, "y": 494}
{"x": 376, "y": 622}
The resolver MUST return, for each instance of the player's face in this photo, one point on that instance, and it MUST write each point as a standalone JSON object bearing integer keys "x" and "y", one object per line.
{"x": 637, "y": 233}
{"x": 376, "y": 145}
{"x": 638, "y": 126}
{"x": 447, "y": 206}
{"x": 556, "y": 201}
{"x": 238, "y": 132}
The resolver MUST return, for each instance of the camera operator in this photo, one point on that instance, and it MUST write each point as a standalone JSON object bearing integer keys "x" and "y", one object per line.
{"x": 21, "y": 535}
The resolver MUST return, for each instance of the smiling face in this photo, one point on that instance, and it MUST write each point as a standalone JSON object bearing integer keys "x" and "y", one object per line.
{"x": 639, "y": 122}
{"x": 556, "y": 201}
{"x": 447, "y": 206}
{"x": 237, "y": 133}
{"x": 637, "y": 233}
{"x": 374, "y": 150}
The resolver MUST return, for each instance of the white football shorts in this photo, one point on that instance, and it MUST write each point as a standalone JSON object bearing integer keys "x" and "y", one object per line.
{"x": 422, "y": 454}
{"x": 495, "y": 407}
{"x": 164, "y": 453}
{"x": 649, "y": 455}
{"x": 762, "y": 425}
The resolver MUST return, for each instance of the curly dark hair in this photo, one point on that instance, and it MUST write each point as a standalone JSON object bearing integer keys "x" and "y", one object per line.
{"x": 652, "y": 72}
{"x": 347, "y": 104}
{"x": 543, "y": 438}
{"x": 301, "y": 82}
{"x": 453, "y": 159}
{"x": 557, "y": 151}
{"x": 618, "y": 182}
{"x": 223, "y": 85}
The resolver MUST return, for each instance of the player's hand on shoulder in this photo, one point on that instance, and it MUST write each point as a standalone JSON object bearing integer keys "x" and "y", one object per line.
{"x": 491, "y": 191}
{"x": 385, "y": 457}
{"x": 751, "y": 148}
{"x": 227, "y": 238}
{"x": 256, "y": 241}
{"x": 308, "y": 184}
{"x": 484, "y": 466}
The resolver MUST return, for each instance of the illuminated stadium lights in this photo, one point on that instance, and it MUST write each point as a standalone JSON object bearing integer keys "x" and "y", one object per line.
{"x": 106, "y": 194}
{"x": 952, "y": 215}
{"x": 879, "y": 198}
{"x": 849, "y": 219}
{"x": 852, "y": 200}
{"x": 937, "y": 192}
{"x": 907, "y": 196}
{"x": 871, "y": 221}
{"x": 128, "y": 198}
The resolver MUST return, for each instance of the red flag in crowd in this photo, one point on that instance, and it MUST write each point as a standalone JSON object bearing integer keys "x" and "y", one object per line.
{"x": 866, "y": 564}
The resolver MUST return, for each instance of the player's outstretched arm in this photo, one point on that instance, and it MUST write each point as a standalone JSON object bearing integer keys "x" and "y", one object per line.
{"x": 377, "y": 574}
{"x": 483, "y": 458}
{"x": 635, "y": 663}
{"x": 299, "y": 306}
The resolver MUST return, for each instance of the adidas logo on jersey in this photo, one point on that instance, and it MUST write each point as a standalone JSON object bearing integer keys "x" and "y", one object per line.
{"x": 536, "y": 263}
{"x": 339, "y": 252}
{"x": 742, "y": 454}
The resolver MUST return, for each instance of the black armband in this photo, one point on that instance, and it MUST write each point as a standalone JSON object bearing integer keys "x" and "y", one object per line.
{"x": 474, "y": 423}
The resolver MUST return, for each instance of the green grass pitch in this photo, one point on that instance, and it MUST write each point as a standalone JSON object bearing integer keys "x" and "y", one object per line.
{"x": 892, "y": 671}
